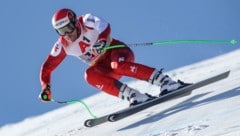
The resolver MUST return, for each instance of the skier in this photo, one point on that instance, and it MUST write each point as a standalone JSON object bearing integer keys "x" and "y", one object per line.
{"x": 85, "y": 38}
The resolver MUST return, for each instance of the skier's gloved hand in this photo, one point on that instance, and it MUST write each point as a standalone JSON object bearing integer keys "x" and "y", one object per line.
{"x": 99, "y": 46}
{"x": 46, "y": 94}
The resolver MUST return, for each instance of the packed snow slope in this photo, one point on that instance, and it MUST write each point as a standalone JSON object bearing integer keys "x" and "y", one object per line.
{"x": 213, "y": 110}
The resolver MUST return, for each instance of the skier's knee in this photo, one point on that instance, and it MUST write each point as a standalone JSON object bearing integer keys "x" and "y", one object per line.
{"x": 114, "y": 65}
{"x": 89, "y": 73}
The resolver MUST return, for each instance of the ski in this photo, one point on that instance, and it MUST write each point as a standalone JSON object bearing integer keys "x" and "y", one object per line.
{"x": 134, "y": 109}
{"x": 96, "y": 121}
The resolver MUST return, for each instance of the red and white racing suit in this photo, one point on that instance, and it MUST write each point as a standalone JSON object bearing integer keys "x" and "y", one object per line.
{"x": 105, "y": 69}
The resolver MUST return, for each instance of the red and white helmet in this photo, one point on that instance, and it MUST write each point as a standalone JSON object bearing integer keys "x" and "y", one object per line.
{"x": 64, "y": 21}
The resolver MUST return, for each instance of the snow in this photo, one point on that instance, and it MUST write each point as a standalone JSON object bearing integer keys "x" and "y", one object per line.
{"x": 212, "y": 110}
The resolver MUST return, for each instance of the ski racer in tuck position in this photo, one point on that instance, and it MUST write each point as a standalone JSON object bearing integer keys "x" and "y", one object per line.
{"x": 85, "y": 37}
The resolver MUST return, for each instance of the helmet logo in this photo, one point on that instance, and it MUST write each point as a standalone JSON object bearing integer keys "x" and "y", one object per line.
{"x": 61, "y": 23}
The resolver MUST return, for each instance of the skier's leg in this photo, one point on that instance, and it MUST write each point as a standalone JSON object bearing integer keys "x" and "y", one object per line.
{"x": 122, "y": 63}
{"x": 151, "y": 75}
{"x": 99, "y": 78}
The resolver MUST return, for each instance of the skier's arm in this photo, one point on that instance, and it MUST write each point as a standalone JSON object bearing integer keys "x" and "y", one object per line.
{"x": 103, "y": 38}
{"x": 102, "y": 27}
{"x": 99, "y": 24}
{"x": 105, "y": 33}
{"x": 48, "y": 66}
{"x": 53, "y": 60}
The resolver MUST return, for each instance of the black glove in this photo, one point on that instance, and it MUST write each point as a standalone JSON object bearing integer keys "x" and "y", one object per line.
{"x": 99, "y": 46}
{"x": 46, "y": 94}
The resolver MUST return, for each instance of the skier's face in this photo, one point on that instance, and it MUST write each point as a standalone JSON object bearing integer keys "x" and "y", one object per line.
{"x": 69, "y": 32}
{"x": 69, "y": 28}
{"x": 71, "y": 36}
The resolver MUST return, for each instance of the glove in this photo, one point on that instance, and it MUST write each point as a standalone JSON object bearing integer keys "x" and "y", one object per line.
{"x": 99, "y": 46}
{"x": 46, "y": 94}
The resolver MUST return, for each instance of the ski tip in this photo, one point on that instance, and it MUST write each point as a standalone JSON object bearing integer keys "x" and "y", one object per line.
{"x": 227, "y": 73}
{"x": 87, "y": 123}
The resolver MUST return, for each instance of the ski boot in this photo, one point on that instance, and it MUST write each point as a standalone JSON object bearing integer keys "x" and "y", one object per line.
{"x": 134, "y": 96}
{"x": 171, "y": 86}
{"x": 167, "y": 85}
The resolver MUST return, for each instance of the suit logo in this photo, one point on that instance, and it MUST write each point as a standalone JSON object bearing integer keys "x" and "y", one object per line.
{"x": 133, "y": 69}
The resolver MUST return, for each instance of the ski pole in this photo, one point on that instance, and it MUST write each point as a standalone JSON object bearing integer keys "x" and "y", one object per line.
{"x": 76, "y": 101}
{"x": 232, "y": 42}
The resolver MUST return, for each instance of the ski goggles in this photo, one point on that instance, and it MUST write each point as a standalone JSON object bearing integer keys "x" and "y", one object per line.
{"x": 69, "y": 28}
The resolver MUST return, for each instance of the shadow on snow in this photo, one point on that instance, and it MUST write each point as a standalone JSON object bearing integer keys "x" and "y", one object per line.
{"x": 187, "y": 104}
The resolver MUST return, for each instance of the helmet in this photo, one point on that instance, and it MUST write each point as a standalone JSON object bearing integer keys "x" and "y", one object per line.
{"x": 64, "y": 21}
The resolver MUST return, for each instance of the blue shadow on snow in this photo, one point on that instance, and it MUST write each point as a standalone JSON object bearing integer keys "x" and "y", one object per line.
{"x": 187, "y": 104}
